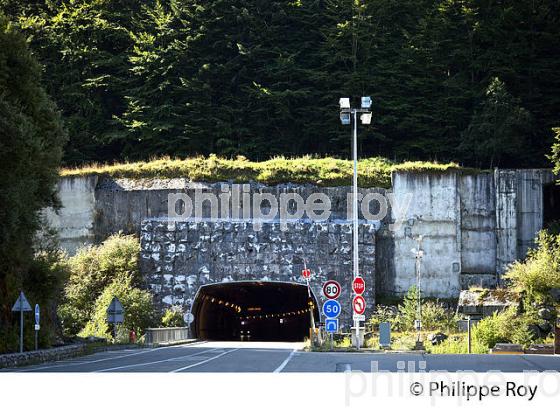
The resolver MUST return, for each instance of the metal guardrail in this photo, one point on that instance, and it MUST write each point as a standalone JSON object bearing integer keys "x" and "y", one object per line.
{"x": 159, "y": 335}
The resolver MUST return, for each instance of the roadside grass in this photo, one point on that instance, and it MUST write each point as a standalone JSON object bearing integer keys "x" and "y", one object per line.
{"x": 328, "y": 171}
{"x": 456, "y": 344}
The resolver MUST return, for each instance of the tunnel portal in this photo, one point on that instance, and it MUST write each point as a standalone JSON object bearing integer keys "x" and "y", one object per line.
{"x": 254, "y": 310}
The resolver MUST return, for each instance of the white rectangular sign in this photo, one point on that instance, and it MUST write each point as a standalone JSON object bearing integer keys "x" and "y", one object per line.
{"x": 361, "y": 318}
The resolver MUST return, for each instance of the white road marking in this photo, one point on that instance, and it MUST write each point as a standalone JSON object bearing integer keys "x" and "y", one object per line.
{"x": 203, "y": 362}
{"x": 154, "y": 362}
{"x": 63, "y": 364}
{"x": 285, "y": 362}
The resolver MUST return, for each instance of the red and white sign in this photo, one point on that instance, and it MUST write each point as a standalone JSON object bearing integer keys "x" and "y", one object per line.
{"x": 359, "y": 305}
{"x": 331, "y": 289}
{"x": 358, "y": 285}
{"x": 306, "y": 273}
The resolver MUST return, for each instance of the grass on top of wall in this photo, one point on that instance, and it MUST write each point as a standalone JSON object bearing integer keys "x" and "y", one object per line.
{"x": 372, "y": 172}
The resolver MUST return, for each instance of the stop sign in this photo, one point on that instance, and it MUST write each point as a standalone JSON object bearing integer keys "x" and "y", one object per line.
{"x": 306, "y": 273}
{"x": 358, "y": 285}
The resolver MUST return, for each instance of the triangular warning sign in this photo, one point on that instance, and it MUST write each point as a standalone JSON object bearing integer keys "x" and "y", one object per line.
{"x": 21, "y": 304}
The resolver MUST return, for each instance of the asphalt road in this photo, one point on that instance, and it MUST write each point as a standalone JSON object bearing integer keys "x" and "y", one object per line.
{"x": 285, "y": 357}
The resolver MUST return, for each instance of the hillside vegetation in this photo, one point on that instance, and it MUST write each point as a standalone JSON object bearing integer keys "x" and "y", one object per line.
{"x": 372, "y": 172}
{"x": 477, "y": 82}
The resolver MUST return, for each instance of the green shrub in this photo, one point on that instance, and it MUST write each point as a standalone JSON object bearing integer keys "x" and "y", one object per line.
{"x": 138, "y": 306}
{"x": 172, "y": 318}
{"x": 408, "y": 311}
{"x": 434, "y": 315}
{"x": 92, "y": 269}
{"x": 382, "y": 314}
{"x": 540, "y": 272}
{"x": 504, "y": 327}
{"x": 457, "y": 345}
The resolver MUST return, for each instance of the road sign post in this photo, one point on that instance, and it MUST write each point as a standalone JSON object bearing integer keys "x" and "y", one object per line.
{"x": 21, "y": 305}
{"x": 115, "y": 314}
{"x": 358, "y": 305}
{"x": 188, "y": 318}
{"x": 37, "y": 325}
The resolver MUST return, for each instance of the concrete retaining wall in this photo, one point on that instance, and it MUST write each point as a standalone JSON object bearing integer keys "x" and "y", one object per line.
{"x": 75, "y": 221}
{"x": 473, "y": 225}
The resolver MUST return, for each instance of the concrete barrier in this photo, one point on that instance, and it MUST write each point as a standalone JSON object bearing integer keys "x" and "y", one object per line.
{"x": 156, "y": 336}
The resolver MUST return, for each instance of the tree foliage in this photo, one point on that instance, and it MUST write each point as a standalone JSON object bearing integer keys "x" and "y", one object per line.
{"x": 172, "y": 318}
{"x": 555, "y": 156}
{"x": 92, "y": 270}
{"x": 137, "y": 304}
{"x": 259, "y": 78}
{"x": 31, "y": 141}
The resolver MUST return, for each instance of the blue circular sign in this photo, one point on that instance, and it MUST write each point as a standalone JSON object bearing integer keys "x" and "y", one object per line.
{"x": 331, "y": 309}
{"x": 37, "y": 314}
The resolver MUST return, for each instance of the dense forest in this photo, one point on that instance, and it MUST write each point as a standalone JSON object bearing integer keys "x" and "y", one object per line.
{"x": 473, "y": 81}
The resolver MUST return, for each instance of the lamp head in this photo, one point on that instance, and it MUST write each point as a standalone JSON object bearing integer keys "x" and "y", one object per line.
{"x": 344, "y": 103}
{"x": 366, "y": 102}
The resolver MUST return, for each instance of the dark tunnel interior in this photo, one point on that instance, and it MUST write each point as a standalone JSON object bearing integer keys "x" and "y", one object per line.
{"x": 254, "y": 311}
{"x": 551, "y": 206}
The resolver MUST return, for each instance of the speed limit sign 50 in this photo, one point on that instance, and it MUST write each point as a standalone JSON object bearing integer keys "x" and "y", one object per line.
{"x": 331, "y": 289}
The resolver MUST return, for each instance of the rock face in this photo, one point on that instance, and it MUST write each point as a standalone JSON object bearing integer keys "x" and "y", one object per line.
{"x": 179, "y": 257}
{"x": 482, "y": 303}
{"x": 437, "y": 338}
{"x": 555, "y": 294}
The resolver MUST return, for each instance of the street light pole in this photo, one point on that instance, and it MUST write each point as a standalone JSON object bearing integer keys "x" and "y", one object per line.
{"x": 419, "y": 254}
{"x": 356, "y": 270}
{"x": 350, "y": 115}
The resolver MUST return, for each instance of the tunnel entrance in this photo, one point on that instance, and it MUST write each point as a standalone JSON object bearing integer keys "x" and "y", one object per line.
{"x": 551, "y": 207}
{"x": 254, "y": 310}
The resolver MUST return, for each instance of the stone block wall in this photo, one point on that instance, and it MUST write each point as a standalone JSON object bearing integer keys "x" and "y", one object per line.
{"x": 180, "y": 256}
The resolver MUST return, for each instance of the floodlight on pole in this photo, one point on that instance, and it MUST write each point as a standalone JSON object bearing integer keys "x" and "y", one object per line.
{"x": 366, "y": 102}
{"x": 349, "y": 116}
{"x": 366, "y": 118}
{"x": 345, "y": 118}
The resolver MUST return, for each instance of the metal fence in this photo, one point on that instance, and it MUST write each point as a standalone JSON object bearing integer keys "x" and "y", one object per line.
{"x": 161, "y": 335}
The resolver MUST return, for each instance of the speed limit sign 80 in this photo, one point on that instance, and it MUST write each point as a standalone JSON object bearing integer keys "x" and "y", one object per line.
{"x": 331, "y": 289}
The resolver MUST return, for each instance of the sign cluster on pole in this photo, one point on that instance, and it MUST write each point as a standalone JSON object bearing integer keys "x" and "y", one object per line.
{"x": 358, "y": 305}
{"x": 331, "y": 308}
